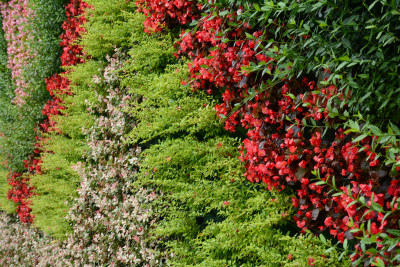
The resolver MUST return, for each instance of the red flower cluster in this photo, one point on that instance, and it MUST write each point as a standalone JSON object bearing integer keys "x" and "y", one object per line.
{"x": 217, "y": 61}
{"x": 20, "y": 193}
{"x": 167, "y": 13}
{"x": 57, "y": 86}
{"x": 284, "y": 147}
{"x": 72, "y": 55}
{"x": 73, "y": 28}
{"x": 288, "y": 132}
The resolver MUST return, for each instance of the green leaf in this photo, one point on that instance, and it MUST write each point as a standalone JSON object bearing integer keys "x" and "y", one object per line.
{"x": 342, "y": 255}
{"x": 329, "y": 250}
{"x": 375, "y": 130}
{"x": 372, "y": 5}
{"x": 352, "y": 203}
{"x": 385, "y": 139}
{"x": 346, "y": 43}
{"x": 322, "y": 23}
{"x": 249, "y": 36}
{"x": 344, "y": 58}
{"x": 363, "y": 76}
{"x": 224, "y": 13}
{"x": 345, "y": 244}
{"x": 379, "y": 262}
{"x": 395, "y": 12}
{"x": 393, "y": 232}
{"x": 354, "y": 125}
{"x": 395, "y": 129}
{"x": 359, "y": 138}
{"x": 323, "y": 239}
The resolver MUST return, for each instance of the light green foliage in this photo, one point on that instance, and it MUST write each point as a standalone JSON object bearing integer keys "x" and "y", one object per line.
{"x": 186, "y": 111}
{"x": 211, "y": 215}
{"x": 56, "y": 185}
{"x": 109, "y": 26}
{"x": 59, "y": 182}
{"x": 5, "y": 203}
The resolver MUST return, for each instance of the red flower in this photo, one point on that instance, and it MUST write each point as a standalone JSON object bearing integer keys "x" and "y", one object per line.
{"x": 311, "y": 261}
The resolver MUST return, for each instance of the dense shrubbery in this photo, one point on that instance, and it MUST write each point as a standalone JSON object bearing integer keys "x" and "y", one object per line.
{"x": 210, "y": 216}
{"x": 60, "y": 147}
{"x": 161, "y": 182}
{"x": 31, "y": 30}
{"x": 356, "y": 41}
{"x": 296, "y": 126}
{"x": 26, "y": 34}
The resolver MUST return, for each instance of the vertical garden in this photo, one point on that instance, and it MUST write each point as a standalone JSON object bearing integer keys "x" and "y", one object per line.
{"x": 199, "y": 133}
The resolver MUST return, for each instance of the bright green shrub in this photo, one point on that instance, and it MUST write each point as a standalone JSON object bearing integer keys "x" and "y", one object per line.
{"x": 59, "y": 182}
{"x": 109, "y": 27}
{"x": 5, "y": 204}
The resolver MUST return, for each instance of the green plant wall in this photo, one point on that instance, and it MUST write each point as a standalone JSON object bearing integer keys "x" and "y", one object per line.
{"x": 57, "y": 186}
{"x": 211, "y": 216}
{"x": 19, "y": 123}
